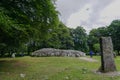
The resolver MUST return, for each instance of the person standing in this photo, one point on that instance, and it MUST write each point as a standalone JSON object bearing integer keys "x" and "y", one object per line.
{"x": 91, "y": 54}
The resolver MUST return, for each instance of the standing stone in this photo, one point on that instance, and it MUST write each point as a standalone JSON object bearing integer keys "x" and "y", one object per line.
{"x": 107, "y": 57}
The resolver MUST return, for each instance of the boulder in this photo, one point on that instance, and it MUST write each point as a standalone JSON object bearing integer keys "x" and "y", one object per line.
{"x": 57, "y": 52}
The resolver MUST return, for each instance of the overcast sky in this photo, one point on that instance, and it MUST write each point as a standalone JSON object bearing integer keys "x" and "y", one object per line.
{"x": 88, "y": 13}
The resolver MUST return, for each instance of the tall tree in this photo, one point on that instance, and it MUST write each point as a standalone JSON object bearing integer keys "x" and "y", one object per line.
{"x": 114, "y": 32}
{"x": 59, "y": 38}
{"x": 23, "y": 20}
{"x": 94, "y": 36}
{"x": 80, "y": 38}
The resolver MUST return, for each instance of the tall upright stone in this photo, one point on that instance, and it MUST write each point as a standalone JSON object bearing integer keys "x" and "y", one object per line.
{"x": 107, "y": 57}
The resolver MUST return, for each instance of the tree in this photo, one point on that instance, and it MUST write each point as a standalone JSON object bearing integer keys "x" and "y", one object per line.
{"x": 94, "y": 36}
{"x": 92, "y": 39}
{"x": 59, "y": 38}
{"x": 80, "y": 38}
{"x": 96, "y": 47}
{"x": 114, "y": 32}
{"x": 24, "y": 20}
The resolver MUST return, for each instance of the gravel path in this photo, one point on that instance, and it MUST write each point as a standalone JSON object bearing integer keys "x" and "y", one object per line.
{"x": 89, "y": 59}
{"x": 111, "y": 74}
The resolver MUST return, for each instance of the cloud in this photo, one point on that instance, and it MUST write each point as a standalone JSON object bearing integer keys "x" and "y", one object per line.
{"x": 88, "y": 13}
{"x": 68, "y": 7}
{"x": 110, "y": 13}
{"x": 79, "y": 17}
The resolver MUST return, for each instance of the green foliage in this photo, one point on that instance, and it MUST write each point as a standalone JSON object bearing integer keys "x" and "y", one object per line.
{"x": 94, "y": 36}
{"x": 37, "y": 15}
{"x": 114, "y": 32}
{"x": 80, "y": 38}
{"x": 111, "y": 30}
{"x": 21, "y": 21}
{"x": 62, "y": 37}
{"x": 65, "y": 38}
{"x": 96, "y": 47}
{"x": 58, "y": 38}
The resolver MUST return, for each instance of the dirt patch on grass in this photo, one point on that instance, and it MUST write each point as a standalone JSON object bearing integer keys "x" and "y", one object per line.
{"x": 88, "y": 59}
{"x": 111, "y": 74}
{"x": 12, "y": 66}
{"x": 20, "y": 64}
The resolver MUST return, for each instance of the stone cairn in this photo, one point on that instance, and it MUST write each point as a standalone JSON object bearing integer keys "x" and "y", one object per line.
{"x": 107, "y": 57}
{"x": 46, "y": 52}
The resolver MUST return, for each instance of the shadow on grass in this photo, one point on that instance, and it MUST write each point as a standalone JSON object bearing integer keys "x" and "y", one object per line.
{"x": 12, "y": 66}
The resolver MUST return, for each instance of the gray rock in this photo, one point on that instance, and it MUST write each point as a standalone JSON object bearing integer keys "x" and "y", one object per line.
{"x": 57, "y": 52}
{"x": 107, "y": 57}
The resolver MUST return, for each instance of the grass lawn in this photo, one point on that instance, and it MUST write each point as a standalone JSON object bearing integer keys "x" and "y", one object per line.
{"x": 52, "y": 68}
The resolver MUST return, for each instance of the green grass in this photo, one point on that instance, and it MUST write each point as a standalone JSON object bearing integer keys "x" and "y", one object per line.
{"x": 52, "y": 68}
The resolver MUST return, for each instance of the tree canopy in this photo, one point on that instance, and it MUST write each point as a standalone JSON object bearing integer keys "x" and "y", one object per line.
{"x": 114, "y": 32}
{"x": 79, "y": 38}
{"x": 28, "y": 25}
{"x": 21, "y": 20}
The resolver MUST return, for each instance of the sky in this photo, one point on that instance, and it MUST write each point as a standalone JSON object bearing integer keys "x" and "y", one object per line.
{"x": 88, "y": 13}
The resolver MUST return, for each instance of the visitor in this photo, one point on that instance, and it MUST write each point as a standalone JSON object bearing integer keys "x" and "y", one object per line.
{"x": 91, "y": 54}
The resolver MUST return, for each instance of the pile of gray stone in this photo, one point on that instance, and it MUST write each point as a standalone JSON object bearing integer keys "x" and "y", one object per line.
{"x": 57, "y": 52}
